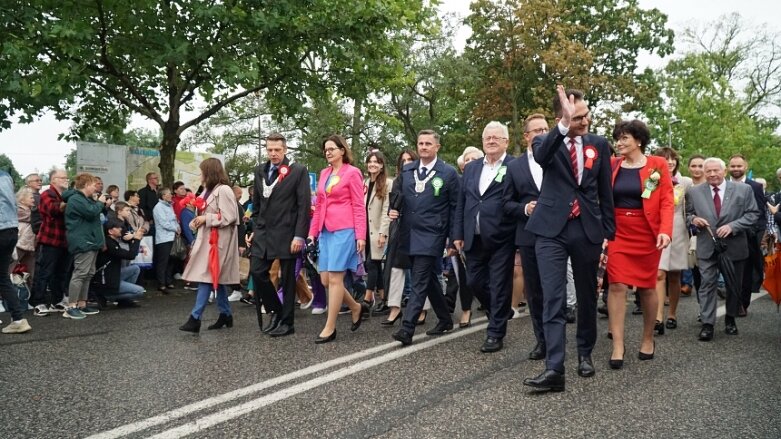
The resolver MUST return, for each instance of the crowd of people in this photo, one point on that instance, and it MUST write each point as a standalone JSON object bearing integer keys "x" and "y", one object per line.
{"x": 571, "y": 216}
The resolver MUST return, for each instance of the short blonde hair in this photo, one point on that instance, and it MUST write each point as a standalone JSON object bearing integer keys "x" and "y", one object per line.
{"x": 22, "y": 193}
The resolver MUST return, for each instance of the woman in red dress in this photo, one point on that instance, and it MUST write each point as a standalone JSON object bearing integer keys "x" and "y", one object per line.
{"x": 643, "y": 199}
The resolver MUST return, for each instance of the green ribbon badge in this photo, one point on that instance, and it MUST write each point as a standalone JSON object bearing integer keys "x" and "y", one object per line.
{"x": 650, "y": 186}
{"x": 437, "y": 184}
{"x": 500, "y": 174}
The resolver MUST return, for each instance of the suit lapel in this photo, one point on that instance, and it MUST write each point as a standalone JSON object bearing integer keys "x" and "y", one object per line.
{"x": 493, "y": 183}
{"x": 726, "y": 200}
{"x": 527, "y": 171}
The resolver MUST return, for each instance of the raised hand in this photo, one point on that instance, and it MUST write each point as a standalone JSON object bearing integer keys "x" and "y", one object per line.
{"x": 567, "y": 105}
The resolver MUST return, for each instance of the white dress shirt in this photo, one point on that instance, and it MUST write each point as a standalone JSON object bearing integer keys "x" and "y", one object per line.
{"x": 578, "y": 148}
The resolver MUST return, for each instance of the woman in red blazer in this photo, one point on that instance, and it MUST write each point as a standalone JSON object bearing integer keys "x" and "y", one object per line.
{"x": 339, "y": 221}
{"x": 643, "y": 200}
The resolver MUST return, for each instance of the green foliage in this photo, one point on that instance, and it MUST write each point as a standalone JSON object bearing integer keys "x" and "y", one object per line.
{"x": 8, "y": 166}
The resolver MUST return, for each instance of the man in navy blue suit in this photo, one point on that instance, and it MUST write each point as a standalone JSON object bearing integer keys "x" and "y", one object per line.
{"x": 754, "y": 272}
{"x": 524, "y": 180}
{"x": 485, "y": 235}
{"x": 428, "y": 189}
{"x": 572, "y": 218}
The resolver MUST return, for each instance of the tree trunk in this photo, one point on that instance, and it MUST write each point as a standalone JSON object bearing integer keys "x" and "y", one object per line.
{"x": 517, "y": 129}
{"x": 357, "y": 127}
{"x": 168, "y": 154}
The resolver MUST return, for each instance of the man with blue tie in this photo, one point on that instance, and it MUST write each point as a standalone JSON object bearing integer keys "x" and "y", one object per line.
{"x": 428, "y": 189}
{"x": 485, "y": 235}
{"x": 524, "y": 180}
{"x": 572, "y": 218}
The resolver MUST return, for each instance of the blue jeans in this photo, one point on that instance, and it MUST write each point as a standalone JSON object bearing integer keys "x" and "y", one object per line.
{"x": 202, "y": 299}
{"x": 128, "y": 289}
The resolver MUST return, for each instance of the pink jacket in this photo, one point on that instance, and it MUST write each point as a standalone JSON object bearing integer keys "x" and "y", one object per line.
{"x": 342, "y": 206}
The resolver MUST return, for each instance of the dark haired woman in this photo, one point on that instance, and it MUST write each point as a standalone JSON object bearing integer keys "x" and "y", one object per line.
{"x": 376, "y": 187}
{"x": 675, "y": 257}
{"x": 340, "y": 223}
{"x": 643, "y": 199}
{"x": 219, "y": 214}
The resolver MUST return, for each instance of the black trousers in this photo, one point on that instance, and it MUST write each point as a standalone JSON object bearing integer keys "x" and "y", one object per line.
{"x": 753, "y": 272}
{"x": 489, "y": 273}
{"x": 531, "y": 279}
{"x": 52, "y": 275}
{"x": 164, "y": 268}
{"x": 259, "y": 269}
{"x": 425, "y": 283}
{"x": 374, "y": 275}
{"x": 8, "y": 238}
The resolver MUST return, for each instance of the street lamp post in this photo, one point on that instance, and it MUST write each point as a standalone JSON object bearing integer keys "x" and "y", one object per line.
{"x": 670, "y": 124}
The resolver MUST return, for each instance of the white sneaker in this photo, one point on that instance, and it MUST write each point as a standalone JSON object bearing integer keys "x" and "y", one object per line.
{"x": 178, "y": 276}
{"x": 2, "y": 308}
{"x": 212, "y": 296}
{"x": 516, "y": 313}
{"x": 17, "y": 327}
{"x": 235, "y": 296}
{"x": 41, "y": 311}
{"x": 317, "y": 311}
{"x": 308, "y": 304}
{"x": 63, "y": 305}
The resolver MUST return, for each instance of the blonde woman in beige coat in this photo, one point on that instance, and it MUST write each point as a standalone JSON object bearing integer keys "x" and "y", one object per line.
{"x": 376, "y": 189}
{"x": 25, "y": 245}
{"x": 219, "y": 212}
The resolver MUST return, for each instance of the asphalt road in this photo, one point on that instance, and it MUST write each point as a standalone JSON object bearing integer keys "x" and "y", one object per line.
{"x": 131, "y": 373}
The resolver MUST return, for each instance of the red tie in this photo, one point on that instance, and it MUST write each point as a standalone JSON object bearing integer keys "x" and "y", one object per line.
{"x": 573, "y": 157}
{"x": 716, "y": 201}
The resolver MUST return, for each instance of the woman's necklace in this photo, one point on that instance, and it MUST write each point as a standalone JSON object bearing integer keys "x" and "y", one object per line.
{"x": 639, "y": 164}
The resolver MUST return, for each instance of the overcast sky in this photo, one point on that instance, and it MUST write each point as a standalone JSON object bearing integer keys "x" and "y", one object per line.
{"x": 34, "y": 147}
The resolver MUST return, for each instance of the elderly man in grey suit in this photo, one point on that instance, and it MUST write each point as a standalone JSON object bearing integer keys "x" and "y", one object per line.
{"x": 729, "y": 210}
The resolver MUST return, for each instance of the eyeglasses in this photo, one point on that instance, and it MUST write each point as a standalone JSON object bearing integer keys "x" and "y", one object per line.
{"x": 579, "y": 119}
{"x": 537, "y": 131}
{"x": 329, "y": 150}
{"x": 493, "y": 138}
{"x": 36, "y": 180}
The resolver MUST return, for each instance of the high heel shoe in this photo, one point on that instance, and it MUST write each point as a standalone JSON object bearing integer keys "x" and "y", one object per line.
{"x": 420, "y": 321}
{"x": 617, "y": 364}
{"x": 466, "y": 324}
{"x": 321, "y": 340}
{"x": 357, "y": 324}
{"x": 659, "y": 328}
{"x": 644, "y": 357}
{"x": 222, "y": 320}
{"x": 389, "y": 322}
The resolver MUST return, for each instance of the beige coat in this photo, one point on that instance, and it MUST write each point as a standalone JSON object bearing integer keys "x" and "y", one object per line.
{"x": 26, "y": 240}
{"x": 220, "y": 200}
{"x": 378, "y": 218}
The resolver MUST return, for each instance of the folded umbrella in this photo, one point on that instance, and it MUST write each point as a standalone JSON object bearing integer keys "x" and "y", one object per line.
{"x": 726, "y": 267}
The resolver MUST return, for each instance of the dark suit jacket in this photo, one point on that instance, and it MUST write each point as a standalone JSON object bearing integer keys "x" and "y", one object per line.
{"x": 738, "y": 209}
{"x": 560, "y": 189}
{"x": 519, "y": 190}
{"x": 496, "y": 229}
{"x": 759, "y": 197}
{"x": 427, "y": 221}
{"x": 282, "y": 216}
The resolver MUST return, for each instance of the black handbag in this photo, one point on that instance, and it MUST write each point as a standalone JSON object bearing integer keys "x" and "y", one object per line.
{"x": 179, "y": 249}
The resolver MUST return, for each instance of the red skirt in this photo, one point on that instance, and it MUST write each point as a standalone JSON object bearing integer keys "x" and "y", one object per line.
{"x": 632, "y": 258}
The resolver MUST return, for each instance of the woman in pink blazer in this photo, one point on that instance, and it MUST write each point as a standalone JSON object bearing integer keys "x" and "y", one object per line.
{"x": 340, "y": 223}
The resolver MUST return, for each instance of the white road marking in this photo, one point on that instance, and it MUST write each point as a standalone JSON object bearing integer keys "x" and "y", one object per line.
{"x": 723, "y": 308}
{"x": 189, "y": 409}
{"x": 255, "y": 404}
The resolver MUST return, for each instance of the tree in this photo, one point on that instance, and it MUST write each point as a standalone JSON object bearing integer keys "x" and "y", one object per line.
{"x": 107, "y": 59}
{"x": 8, "y": 166}
{"x": 526, "y": 47}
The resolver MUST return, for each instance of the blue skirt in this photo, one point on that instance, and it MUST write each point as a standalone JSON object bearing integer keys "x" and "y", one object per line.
{"x": 337, "y": 251}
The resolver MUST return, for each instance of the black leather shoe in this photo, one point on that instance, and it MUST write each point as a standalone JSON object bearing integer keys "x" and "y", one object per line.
{"x": 671, "y": 323}
{"x": 731, "y": 329}
{"x": 330, "y": 338}
{"x": 659, "y": 328}
{"x": 381, "y": 309}
{"x": 273, "y": 322}
{"x": 222, "y": 320}
{"x": 492, "y": 344}
{"x": 440, "y": 329}
{"x": 586, "y": 366}
{"x": 645, "y": 357}
{"x": 192, "y": 325}
{"x": 539, "y": 351}
{"x": 569, "y": 314}
{"x": 706, "y": 333}
{"x": 357, "y": 324}
{"x": 616, "y": 364}
{"x": 403, "y": 336}
{"x": 602, "y": 309}
{"x": 548, "y": 381}
{"x": 389, "y": 322}
{"x": 282, "y": 330}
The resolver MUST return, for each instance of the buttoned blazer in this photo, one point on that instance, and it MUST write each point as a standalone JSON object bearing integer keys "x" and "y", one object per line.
{"x": 427, "y": 220}
{"x": 519, "y": 190}
{"x": 738, "y": 209}
{"x": 342, "y": 206}
{"x": 659, "y": 208}
{"x": 560, "y": 189}
{"x": 284, "y": 214}
{"x": 496, "y": 229}
{"x": 379, "y": 222}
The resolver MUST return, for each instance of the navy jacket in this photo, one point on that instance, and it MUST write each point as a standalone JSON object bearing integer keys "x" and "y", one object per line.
{"x": 496, "y": 229}
{"x": 518, "y": 192}
{"x": 560, "y": 189}
{"x": 427, "y": 220}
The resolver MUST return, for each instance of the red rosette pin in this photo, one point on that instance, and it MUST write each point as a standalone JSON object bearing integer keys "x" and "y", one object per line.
{"x": 284, "y": 170}
{"x": 591, "y": 154}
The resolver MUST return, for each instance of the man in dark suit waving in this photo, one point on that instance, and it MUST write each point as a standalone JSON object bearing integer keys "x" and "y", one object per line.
{"x": 485, "y": 234}
{"x": 281, "y": 201}
{"x": 428, "y": 189}
{"x": 572, "y": 218}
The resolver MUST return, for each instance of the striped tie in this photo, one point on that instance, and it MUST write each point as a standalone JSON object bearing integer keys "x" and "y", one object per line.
{"x": 573, "y": 158}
